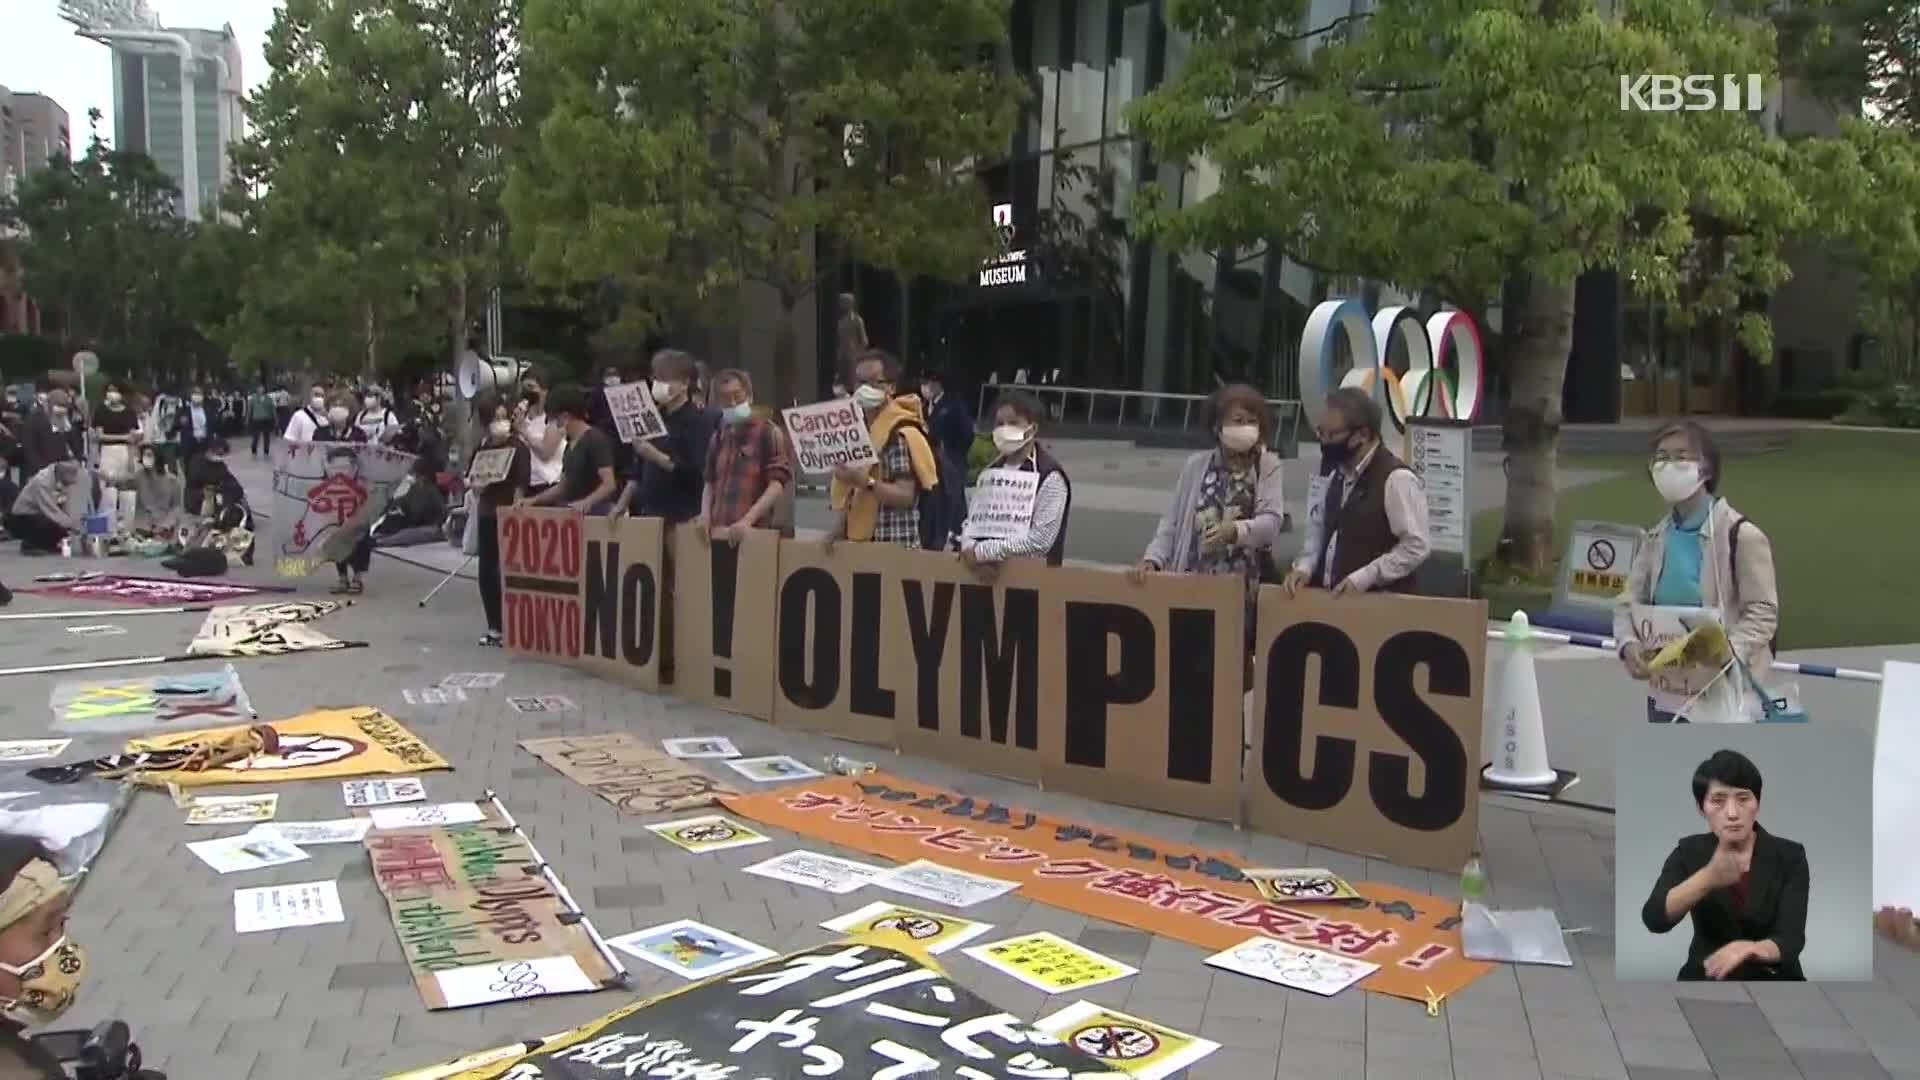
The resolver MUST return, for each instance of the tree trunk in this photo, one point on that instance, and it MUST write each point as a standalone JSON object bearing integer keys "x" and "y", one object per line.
{"x": 1537, "y": 375}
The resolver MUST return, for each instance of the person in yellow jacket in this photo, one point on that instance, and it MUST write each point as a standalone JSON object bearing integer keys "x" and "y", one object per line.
{"x": 878, "y": 503}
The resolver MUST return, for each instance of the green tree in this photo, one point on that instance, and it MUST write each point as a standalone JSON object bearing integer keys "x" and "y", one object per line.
{"x": 1476, "y": 152}
{"x": 1871, "y": 175}
{"x": 684, "y": 149}
{"x": 372, "y": 180}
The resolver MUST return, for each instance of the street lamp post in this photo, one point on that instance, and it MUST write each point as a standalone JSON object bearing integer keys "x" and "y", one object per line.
{"x": 108, "y": 21}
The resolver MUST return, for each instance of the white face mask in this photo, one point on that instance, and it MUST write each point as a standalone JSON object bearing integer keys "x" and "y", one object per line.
{"x": 500, "y": 429}
{"x": 316, "y": 403}
{"x": 338, "y": 417}
{"x": 1676, "y": 481}
{"x": 1239, "y": 438}
{"x": 1010, "y": 438}
{"x": 663, "y": 392}
{"x": 870, "y": 397}
{"x": 113, "y": 398}
{"x": 612, "y": 380}
{"x": 199, "y": 399}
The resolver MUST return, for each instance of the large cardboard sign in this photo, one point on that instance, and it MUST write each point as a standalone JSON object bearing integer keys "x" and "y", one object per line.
{"x": 722, "y": 625}
{"x": 628, "y": 773}
{"x": 540, "y": 561}
{"x": 1896, "y": 800}
{"x": 477, "y": 922}
{"x": 1176, "y": 890}
{"x": 1367, "y": 714}
{"x": 620, "y": 599}
{"x": 848, "y": 1009}
{"x": 1129, "y": 693}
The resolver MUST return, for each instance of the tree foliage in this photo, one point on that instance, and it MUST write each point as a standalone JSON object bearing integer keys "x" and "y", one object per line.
{"x": 684, "y": 148}
{"x": 371, "y": 194}
{"x": 1871, "y": 180}
{"x": 1476, "y": 152}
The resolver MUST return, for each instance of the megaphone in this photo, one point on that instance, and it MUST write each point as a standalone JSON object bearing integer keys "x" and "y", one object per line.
{"x": 479, "y": 374}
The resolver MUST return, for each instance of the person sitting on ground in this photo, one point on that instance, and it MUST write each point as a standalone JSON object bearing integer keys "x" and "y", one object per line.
{"x": 417, "y": 510}
{"x": 52, "y": 507}
{"x": 210, "y": 475}
{"x": 587, "y": 483}
{"x": 747, "y": 470}
{"x": 1016, "y": 438}
{"x": 41, "y": 969}
{"x": 672, "y": 468}
{"x": 158, "y": 496}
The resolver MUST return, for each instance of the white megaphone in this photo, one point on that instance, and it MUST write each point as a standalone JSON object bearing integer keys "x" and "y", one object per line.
{"x": 478, "y": 374}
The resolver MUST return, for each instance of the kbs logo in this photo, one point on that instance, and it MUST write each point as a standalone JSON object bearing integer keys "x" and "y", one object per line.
{"x": 1692, "y": 93}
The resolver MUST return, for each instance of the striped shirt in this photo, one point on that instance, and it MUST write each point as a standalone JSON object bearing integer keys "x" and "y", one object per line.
{"x": 1049, "y": 513}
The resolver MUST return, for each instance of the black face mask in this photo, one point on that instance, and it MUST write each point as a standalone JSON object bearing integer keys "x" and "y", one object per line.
{"x": 1338, "y": 453}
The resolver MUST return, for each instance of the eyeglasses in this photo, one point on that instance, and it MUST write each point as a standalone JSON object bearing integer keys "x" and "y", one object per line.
{"x": 1663, "y": 457}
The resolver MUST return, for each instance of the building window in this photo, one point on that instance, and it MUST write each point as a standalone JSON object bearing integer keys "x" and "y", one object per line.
{"x": 1083, "y": 77}
{"x": 1127, "y": 73}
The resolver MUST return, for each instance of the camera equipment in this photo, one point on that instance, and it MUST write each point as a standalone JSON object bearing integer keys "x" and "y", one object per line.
{"x": 108, "y": 1052}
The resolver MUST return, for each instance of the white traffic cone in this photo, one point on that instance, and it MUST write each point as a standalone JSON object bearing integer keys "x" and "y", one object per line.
{"x": 1519, "y": 732}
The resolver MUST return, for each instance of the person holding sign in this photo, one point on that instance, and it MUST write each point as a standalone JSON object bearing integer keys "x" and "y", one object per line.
{"x": 500, "y": 473}
{"x": 1227, "y": 508}
{"x": 1745, "y": 888}
{"x": 879, "y": 503}
{"x": 672, "y": 476}
{"x": 1039, "y": 522}
{"x": 586, "y": 475}
{"x": 1371, "y": 532}
{"x": 747, "y": 471}
{"x": 1702, "y": 555}
{"x": 545, "y": 436}
{"x": 340, "y": 428}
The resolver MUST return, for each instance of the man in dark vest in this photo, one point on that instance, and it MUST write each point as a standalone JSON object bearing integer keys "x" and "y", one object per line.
{"x": 1016, "y": 438}
{"x": 1369, "y": 532}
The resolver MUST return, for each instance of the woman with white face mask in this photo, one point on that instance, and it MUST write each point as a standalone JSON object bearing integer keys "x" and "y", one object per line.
{"x": 1701, "y": 554}
{"x": 490, "y": 497}
{"x": 1016, "y": 439}
{"x": 41, "y": 968}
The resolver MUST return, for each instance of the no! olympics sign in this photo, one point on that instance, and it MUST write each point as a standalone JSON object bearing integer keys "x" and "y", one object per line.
{"x": 1446, "y": 363}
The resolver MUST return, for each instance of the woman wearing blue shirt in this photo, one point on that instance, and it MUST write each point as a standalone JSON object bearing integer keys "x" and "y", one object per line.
{"x": 1702, "y": 553}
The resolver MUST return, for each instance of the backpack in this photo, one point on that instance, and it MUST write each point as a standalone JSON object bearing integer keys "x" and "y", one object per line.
{"x": 943, "y": 510}
{"x": 1733, "y": 565}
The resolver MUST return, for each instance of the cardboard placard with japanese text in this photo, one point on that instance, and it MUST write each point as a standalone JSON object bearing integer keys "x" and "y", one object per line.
{"x": 846, "y": 1009}
{"x": 1193, "y": 895}
{"x": 723, "y": 639}
{"x": 622, "y": 570}
{"x": 1366, "y": 733}
{"x": 632, "y": 775}
{"x": 1129, "y": 693}
{"x": 326, "y": 497}
{"x": 474, "y": 925}
{"x": 1001, "y": 505}
{"x": 635, "y": 416}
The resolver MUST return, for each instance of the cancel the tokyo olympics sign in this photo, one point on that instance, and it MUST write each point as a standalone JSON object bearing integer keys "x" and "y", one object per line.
{"x": 1438, "y": 370}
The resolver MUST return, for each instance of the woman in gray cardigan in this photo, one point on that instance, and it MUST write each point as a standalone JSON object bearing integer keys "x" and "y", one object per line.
{"x": 1227, "y": 509}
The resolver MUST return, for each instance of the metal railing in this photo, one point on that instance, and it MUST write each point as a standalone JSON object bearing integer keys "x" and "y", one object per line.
{"x": 1136, "y": 410}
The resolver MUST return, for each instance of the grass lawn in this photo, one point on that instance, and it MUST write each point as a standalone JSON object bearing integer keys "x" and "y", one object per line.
{"x": 1842, "y": 508}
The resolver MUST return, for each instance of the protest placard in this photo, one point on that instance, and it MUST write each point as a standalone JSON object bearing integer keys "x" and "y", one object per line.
{"x": 1001, "y": 507}
{"x": 828, "y": 436}
{"x": 490, "y": 467}
{"x": 635, "y": 415}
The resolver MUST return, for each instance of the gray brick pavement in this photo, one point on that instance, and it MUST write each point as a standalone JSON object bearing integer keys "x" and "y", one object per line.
{"x": 337, "y": 1001}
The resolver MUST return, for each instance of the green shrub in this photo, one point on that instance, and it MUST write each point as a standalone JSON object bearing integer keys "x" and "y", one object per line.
{"x": 1811, "y": 405}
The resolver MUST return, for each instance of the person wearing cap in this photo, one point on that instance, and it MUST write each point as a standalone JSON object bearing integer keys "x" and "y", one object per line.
{"x": 41, "y": 968}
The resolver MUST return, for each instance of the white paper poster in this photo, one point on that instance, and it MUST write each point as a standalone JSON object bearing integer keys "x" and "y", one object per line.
{"x": 701, "y": 746}
{"x": 546, "y": 703}
{"x": 691, "y": 949}
{"x": 426, "y": 817}
{"x": 434, "y": 695}
{"x": 276, "y": 907}
{"x": 253, "y": 851}
{"x": 382, "y": 792}
{"x": 1001, "y": 507}
{"x": 232, "y": 809}
{"x": 828, "y": 436}
{"x": 1291, "y": 966}
{"x": 828, "y": 873}
{"x": 307, "y": 833}
{"x": 1146, "y": 1050}
{"x": 489, "y": 467}
{"x": 935, "y": 931}
{"x": 1658, "y": 626}
{"x": 943, "y": 884}
{"x": 772, "y": 770}
{"x": 473, "y": 680}
{"x": 1896, "y": 798}
{"x": 32, "y": 749}
{"x": 635, "y": 415}
{"x": 512, "y": 980}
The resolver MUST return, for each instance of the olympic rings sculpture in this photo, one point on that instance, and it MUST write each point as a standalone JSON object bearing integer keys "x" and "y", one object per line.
{"x": 1446, "y": 363}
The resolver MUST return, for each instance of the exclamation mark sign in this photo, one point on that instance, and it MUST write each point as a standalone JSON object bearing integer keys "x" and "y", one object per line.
{"x": 726, "y": 574}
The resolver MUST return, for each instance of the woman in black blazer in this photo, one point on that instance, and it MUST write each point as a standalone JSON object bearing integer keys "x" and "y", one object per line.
{"x": 1745, "y": 887}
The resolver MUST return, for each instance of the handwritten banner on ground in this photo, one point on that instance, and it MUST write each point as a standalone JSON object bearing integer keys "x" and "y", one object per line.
{"x": 846, "y": 1009}
{"x": 1001, "y": 506}
{"x": 477, "y": 922}
{"x": 1078, "y": 678}
{"x": 635, "y": 416}
{"x": 628, "y": 773}
{"x": 155, "y": 592}
{"x": 326, "y": 497}
{"x": 361, "y": 741}
{"x": 119, "y": 706}
{"x": 1367, "y": 714}
{"x": 1196, "y": 896}
{"x": 723, "y": 651}
{"x": 829, "y": 436}
{"x": 263, "y": 629}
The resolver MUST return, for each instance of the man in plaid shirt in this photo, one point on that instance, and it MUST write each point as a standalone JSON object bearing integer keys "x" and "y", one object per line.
{"x": 747, "y": 468}
{"x": 879, "y": 503}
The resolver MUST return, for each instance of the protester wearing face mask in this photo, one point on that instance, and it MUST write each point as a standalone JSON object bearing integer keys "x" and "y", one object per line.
{"x": 308, "y": 418}
{"x": 50, "y": 434}
{"x": 1370, "y": 532}
{"x": 352, "y": 570}
{"x": 1227, "y": 508}
{"x": 195, "y": 424}
{"x": 1702, "y": 553}
{"x": 52, "y": 507}
{"x": 487, "y": 504}
{"x": 157, "y": 496}
{"x": 588, "y": 484}
{"x": 880, "y": 503}
{"x": 672, "y": 477}
{"x": 41, "y": 969}
{"x": 1016, "y": 438}
{"x": 377, "y": 421}
{"x": 545, "y": 438}
{"x": 748, "y": 475}
{"x": 261, "y": 420}
{"x": 119, "y": 429}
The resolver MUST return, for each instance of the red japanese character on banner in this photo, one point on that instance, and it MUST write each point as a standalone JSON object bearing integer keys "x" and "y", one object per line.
{"x": 812, "y": 800}
{"x": 1134, "y": 885}
{"x": 959, "y": 840}
{"x": 340, "y": 495}
{"x": 1197, "y": 901}
{"x": 1346, "y": 938}
{"x": 911, "y": 826}
{"x": 1012, "y": 853}
{"x": 1267, "y": 919}
{"x": 1073, "y": 868}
